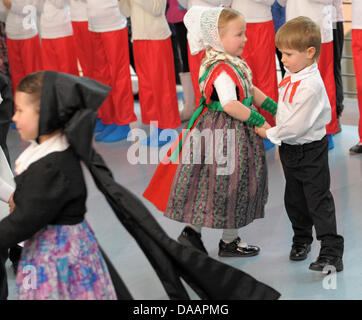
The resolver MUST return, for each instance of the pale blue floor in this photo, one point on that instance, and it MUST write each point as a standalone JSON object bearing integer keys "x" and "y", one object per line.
{"x": 273, "y": 233}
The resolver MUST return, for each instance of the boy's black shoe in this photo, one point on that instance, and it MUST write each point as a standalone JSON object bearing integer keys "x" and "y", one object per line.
{"x": 323, "y": 261}
{"x": 299, "y": 252}
{"x": 233, "y": 249}
{"x": 191, "y": 238}
{"x": 357, "y": 149}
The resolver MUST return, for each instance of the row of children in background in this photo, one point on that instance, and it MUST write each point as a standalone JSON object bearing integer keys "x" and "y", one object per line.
{"x": 95, "y": 33}
{"x": 94, "y": 27}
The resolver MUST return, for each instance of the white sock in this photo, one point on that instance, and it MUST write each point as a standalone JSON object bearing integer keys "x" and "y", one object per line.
{"x": 229, "y": 235}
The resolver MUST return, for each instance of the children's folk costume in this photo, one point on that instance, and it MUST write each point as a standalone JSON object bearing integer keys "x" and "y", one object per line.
{"x": 23, "y": 44}
{"x": 71, "y": 103}
{"x": 199, "y": 193}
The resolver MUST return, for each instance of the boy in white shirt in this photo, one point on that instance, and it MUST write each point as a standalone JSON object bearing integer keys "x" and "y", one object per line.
{"x": 303, "y": 112}
{"x": 320, "y": 11}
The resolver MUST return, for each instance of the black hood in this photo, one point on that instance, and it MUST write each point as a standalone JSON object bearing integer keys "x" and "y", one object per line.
{"x": 71, "y": 103}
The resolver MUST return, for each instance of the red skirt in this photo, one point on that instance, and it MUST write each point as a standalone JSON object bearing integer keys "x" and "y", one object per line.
{"x": 259, "y": 54}
{"x": 24, "y": 58}
{"x": 157, "y": 83}
{"x": 325, "y": 66}
{"x": 60, "y": 55}
{"x": 357, "y": 63}
{"x": 194, "y": 66}
{"x": 111, "y": 66}
{"x": 83, "y": 45}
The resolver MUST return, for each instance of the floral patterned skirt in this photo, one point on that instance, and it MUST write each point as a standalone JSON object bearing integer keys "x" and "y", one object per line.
{"x": 63, "y": 262}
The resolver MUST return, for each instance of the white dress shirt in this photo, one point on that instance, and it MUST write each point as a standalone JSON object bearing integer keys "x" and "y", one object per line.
{"x": 338, "y": 11}
{"x": 320, "y": 11}
{"x": 78, "y": 10}
{"x": 304, "y": 119}
{"x": 55, "y": 19}
{"x": 21, "y": 19}
{"x": 356, "y": 14}
{"x": 254, "y": 11}
{"x": 104, "y": 16}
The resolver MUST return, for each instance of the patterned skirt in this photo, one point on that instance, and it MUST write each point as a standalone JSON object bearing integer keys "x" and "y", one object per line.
{"x": 63, "y": 262}
{"x": 228, "y": 188}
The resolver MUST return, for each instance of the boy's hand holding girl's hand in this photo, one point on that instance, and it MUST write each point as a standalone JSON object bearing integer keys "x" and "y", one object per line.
{"x": 7, "y": 4}
{"x": 261, "y": 131}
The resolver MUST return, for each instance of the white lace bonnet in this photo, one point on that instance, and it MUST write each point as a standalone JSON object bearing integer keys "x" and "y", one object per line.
{"x": 202, "y": 26}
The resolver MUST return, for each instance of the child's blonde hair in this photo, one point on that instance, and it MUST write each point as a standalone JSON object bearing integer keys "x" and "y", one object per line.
{"x": 227, "y": 15}
{"x": 299, "y": 34}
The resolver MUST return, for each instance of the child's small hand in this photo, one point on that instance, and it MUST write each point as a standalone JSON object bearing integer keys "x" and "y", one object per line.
{"x": 7, "y": 4}
{"x": 11, "y": 203}
{"x": 266, "y": 126}
{"x": 261, "y": 131}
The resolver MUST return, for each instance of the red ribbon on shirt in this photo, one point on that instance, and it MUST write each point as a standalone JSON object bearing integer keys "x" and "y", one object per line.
{"x": 285, "y": 81}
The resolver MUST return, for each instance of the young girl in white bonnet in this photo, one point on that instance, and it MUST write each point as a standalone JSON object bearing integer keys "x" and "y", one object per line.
{"x": 196, "y": 193}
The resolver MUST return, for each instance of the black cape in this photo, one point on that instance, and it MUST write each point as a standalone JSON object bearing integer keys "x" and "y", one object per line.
{"x": 71, "y": 103}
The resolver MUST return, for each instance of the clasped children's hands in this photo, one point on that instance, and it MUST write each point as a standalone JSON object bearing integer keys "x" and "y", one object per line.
{"x": 7, "y": 4}
{"x": 261, "y": 131}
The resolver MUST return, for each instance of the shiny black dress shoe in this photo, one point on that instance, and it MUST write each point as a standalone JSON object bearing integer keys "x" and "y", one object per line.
{"x": 357, "y": 149}
{"x": 299, "y": 252}
{"x": 327, "y": 261}
{"x": 237, "y": 249}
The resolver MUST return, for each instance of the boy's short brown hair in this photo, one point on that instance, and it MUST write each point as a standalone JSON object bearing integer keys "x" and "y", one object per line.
{"x": 299, "y": 34}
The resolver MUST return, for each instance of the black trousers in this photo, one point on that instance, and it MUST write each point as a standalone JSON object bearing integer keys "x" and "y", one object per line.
{"x": 308, "y": 200}
{"x": 338, "y": 39}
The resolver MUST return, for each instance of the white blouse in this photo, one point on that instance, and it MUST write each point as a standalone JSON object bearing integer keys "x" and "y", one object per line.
{"x": 104, "y": 15}
{"x": 55, "y": 19}
{"x": 21, "y": 19}
{"x": 356, "y": 14}
{"x": 254, "y": 11}
{"x": 78, "y": 10}
{"x": 304, "y": 119}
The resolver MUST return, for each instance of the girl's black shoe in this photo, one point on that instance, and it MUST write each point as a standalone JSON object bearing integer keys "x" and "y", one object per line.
{"x": 191, "y": 238}
{"x": 233, "y": 249}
